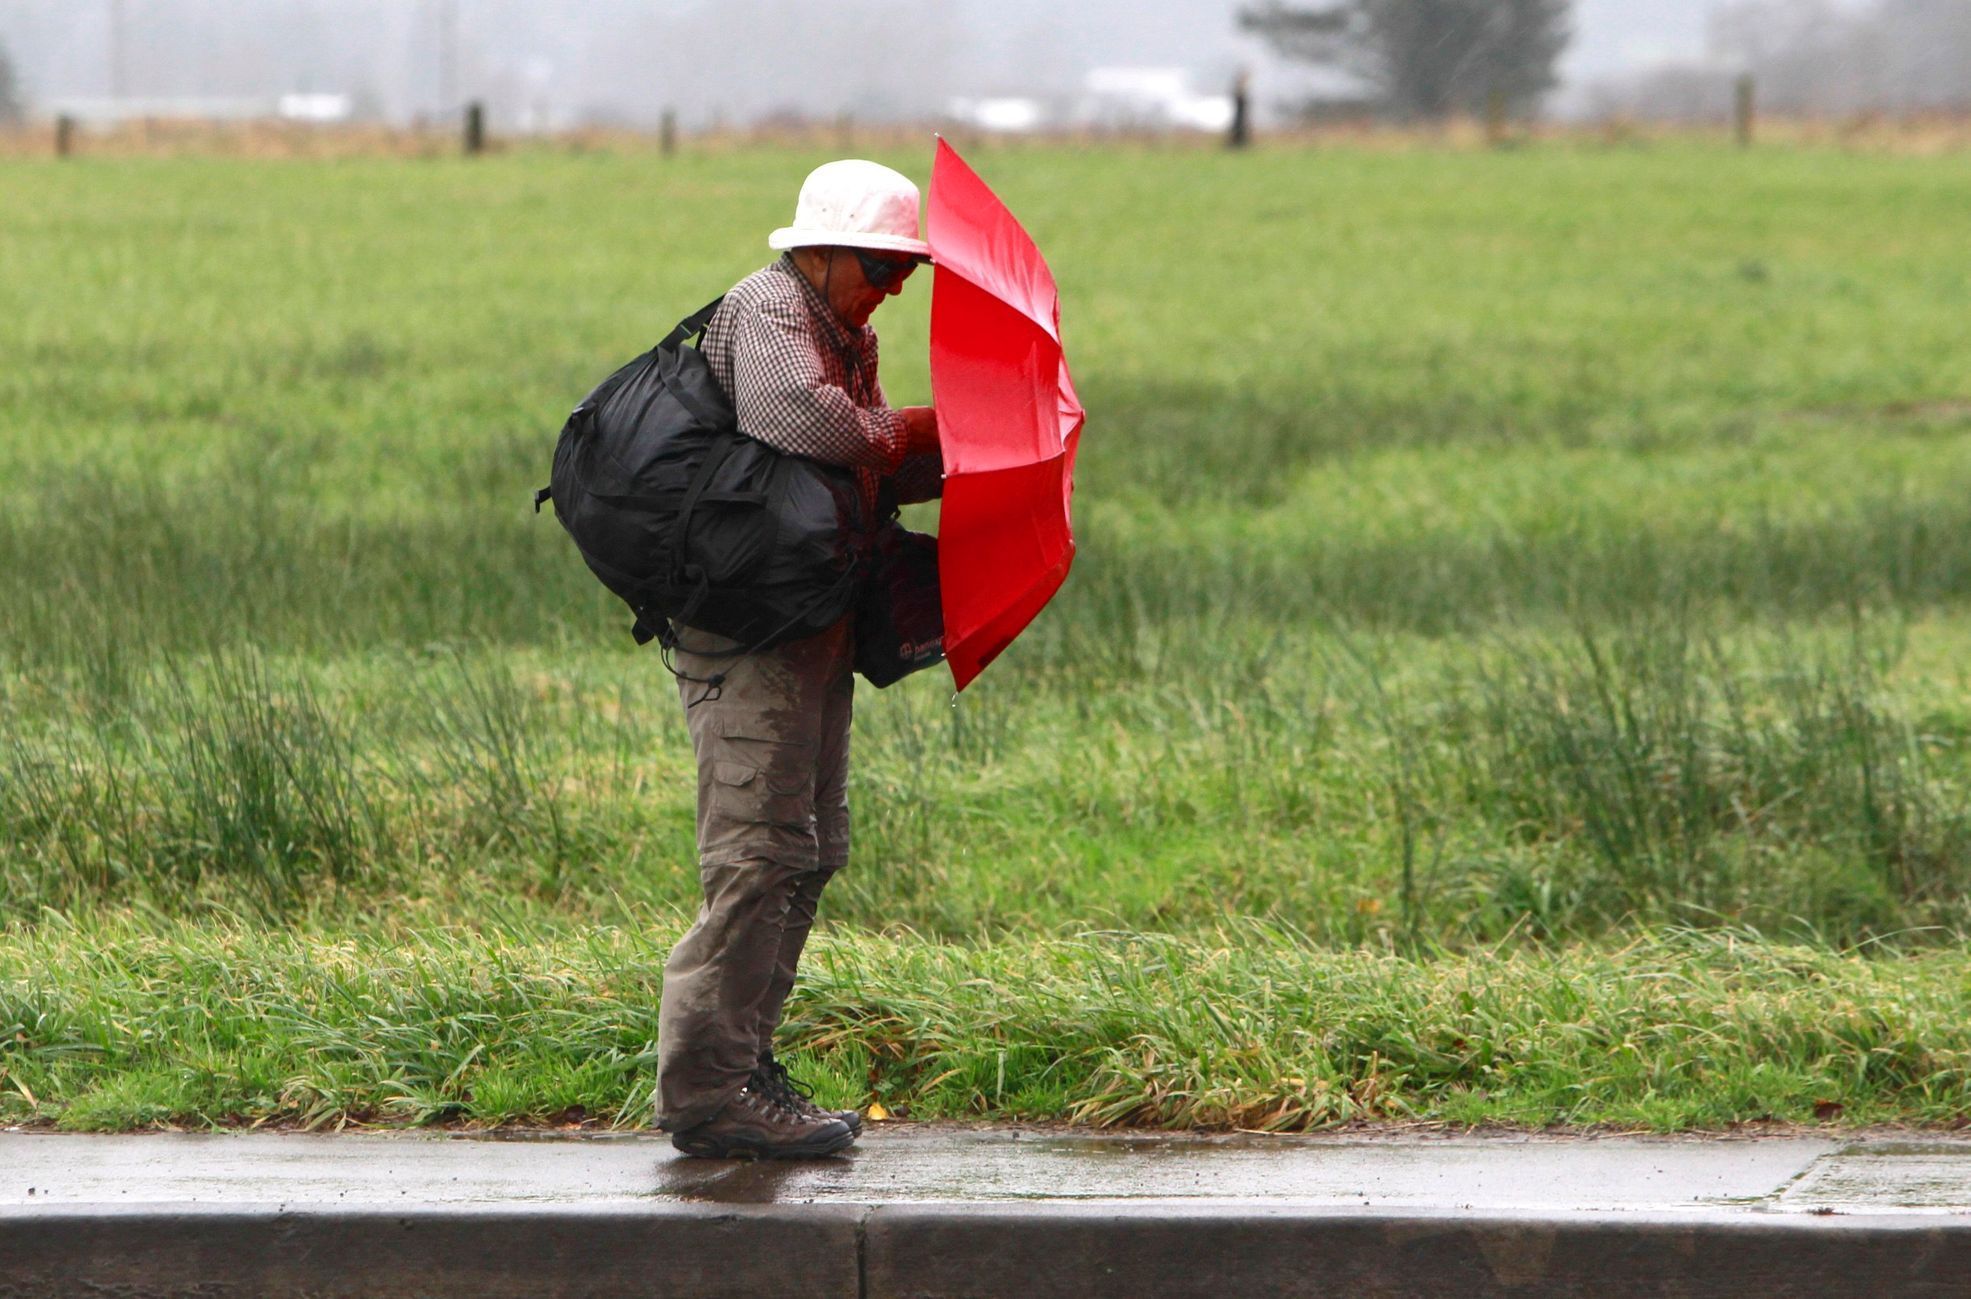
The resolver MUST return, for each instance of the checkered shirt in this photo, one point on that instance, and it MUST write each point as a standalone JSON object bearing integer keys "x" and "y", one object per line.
{"x": 803, "y": 382}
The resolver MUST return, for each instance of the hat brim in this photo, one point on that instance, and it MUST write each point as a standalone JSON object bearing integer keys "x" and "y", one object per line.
{"x": 793, "y": 237}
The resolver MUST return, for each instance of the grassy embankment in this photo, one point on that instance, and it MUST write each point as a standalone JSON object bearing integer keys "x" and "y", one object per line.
{"x": 1488, "y": 561}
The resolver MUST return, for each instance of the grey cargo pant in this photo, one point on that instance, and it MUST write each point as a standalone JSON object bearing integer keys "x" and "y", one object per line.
{"x": 773, "y": 828}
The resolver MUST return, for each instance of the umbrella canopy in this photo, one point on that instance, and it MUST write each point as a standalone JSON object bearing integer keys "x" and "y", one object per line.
{"x": 1008, "y": 418}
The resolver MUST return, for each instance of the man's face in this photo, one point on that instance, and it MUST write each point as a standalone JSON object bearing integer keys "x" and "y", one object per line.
{"x": 854, "y": 292}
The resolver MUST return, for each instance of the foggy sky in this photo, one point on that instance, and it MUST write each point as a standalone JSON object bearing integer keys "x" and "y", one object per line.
{"x": 730, "y": 60}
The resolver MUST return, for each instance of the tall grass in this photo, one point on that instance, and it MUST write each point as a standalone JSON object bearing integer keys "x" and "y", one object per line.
{"x": 1696, "y": 778}
{"x": 233, "y": 782}
{"x": 1555, "y": 783}
{"x": 228, "y": 774}
{"x": 165, "y": 1023}
{"x": 98, "y": 568}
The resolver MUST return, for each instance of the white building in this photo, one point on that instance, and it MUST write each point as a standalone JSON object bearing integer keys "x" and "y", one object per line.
{"x": 317, "y": 108}
{"x": 1149, "y": 99}
{"x": 1007, "y": 113}
{"x": 107, "y": 110}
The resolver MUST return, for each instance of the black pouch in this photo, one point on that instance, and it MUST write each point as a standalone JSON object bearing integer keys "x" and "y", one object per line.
{"x": 899, "y": 620}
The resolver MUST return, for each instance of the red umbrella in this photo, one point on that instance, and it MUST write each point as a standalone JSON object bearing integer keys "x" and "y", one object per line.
{"x": 1007, "y": 415}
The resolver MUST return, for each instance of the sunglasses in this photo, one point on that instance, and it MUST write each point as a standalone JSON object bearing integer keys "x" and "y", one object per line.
{"x": 883, "y": 273}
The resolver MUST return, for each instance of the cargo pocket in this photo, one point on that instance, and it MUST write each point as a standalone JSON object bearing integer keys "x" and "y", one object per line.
{"x": 765, "y": 781}
{"x": 734, "y": 774}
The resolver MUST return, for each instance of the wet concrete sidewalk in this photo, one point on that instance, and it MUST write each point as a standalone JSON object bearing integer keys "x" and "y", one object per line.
{"x": 941, "y": 1212}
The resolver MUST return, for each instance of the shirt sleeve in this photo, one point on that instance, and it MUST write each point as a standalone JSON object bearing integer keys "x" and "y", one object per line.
{"x": 782, "y": 397}
{"x": 919, "y": 475}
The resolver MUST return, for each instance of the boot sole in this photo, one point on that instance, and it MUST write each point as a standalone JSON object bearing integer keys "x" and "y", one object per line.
{"x": 710, "y": 1148}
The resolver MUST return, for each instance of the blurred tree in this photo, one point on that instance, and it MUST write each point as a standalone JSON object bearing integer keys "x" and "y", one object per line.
{"x": 12, "y": 107}
{"x": 1426, "y": 58}
{"x": 1814, "y": 57}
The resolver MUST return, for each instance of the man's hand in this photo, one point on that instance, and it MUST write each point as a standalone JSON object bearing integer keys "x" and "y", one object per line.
{"x": 920, "y": 429}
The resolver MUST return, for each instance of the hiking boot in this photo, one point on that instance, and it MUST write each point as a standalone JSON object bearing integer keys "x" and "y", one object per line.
{"x": 754, "y": 1125}
{"x": 772, "y": 1078}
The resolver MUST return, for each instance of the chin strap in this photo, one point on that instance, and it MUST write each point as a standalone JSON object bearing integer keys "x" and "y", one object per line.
{"x": 842, "y": 337}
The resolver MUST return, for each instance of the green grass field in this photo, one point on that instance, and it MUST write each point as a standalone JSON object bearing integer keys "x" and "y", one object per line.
{"x": 1516, "y": 668}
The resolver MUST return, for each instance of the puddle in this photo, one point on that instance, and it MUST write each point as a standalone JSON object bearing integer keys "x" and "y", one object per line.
{"x": 1886, "y": 1177}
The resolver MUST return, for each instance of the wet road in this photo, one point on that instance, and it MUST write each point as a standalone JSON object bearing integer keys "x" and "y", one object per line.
{"x": 913, "y": 1164}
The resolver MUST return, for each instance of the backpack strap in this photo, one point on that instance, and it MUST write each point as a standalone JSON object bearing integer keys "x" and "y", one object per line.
{"x": 701, "y": 480}
{"x": 692, "y": 326}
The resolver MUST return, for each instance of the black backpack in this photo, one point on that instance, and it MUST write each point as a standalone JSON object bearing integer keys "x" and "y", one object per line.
{"x": 692, "y": 522}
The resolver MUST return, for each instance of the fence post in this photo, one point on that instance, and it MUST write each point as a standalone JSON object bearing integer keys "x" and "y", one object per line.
{"x": 667, "y": 132}
{"x": 475, "y": 128}
{"x": 1745, "y": 110}
{"x": 64, "y": 136}
{"x": 1241, "y": 133}
{"x": 1495, "y": 118}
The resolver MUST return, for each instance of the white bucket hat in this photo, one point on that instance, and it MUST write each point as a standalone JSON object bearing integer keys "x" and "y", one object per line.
{"x": 854, "y": 204}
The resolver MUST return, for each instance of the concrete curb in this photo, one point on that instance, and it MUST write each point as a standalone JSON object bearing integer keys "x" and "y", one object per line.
{"x": 537, "y": 1252}
{"x": 1212, "y": 1252}
{"x": 965, "y": 1251}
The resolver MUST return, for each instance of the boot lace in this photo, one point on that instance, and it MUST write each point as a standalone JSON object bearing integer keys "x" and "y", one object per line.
{"x": 774, "y": 1081}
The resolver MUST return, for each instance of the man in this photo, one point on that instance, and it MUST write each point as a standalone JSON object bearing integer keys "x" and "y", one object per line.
{"x": 792, "y": 347}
